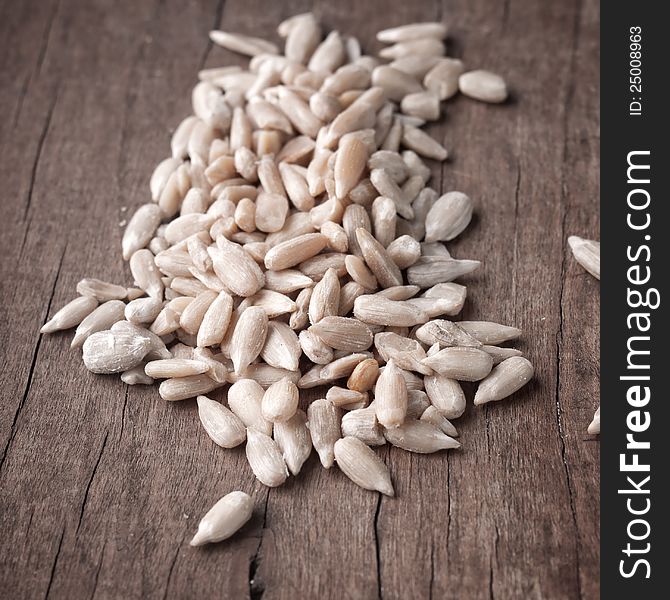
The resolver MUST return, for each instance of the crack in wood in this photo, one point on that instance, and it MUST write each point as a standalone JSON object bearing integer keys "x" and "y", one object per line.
{"x": 33, "y": 364}
{"x": 90, "y": 482}
{"x": 97, "y": 571}
{"x": 256, "y": 585}
{"x": 377, "y": 546}
{"x": 217, "y": 23}
{"x": 53, "y": 566}
{"x": 47, "y": 38}
{"x": 172, "y": 565}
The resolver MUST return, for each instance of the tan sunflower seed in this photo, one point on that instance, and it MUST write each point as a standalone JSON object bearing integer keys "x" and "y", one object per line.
{"x": 424, "y": 46}
{"x": 499, "y": 354}
{"x": 413, "y": 31}
{"x": 303, "y": 35}
{"x": 417, "y": 403}
{"x": 294, "y": 251}
{"x": 362, "y": 424}
{"x": 280, "y": 401}
{"x": 174, "y": 367}
{"x": 215, "y": 321}
{"x": 404, "y": 251}
{"x": 221, "y": 169}
{"x": 342, "y": 367}
{"x": 388, "y": 188}
{"x": 337, "y": 237}
{"x": 360, "y": 273}
{"x": 391, "y": 396}
{"x": 329, "y": 55}
{"x": 324, "y": 104}
{"x": 391, "y": 162}
{"x": 218, "y": 367}
{"x": 145, "y": 273}
{"x": 294, "y": 441}
{"x": 453, "y": 294}
{"x": 323, "y": 420}
{"x": 245, "y": 400}
{"x": 490, "y": 333}
{"x": 445, "y": 333}
{"x": 161, "y": 175}
{"x": 113, "y": 351}
{"x": 298, "y": 112}
{"x": 594, "y": 426}
{"x": 483, "y": 85}
{"x": 235, "y": 268}
{"x": 71, "y": 315}
{"x": 193, "y": 315}
{"x": 248, "y": 337}
{"x": 351, "y": 158}
{"x": 424, "y": 145}
{"x": 225, "y": 518}
{"x": 299, "y": 318}
{"x": 140, "y": 229}
{"x": 435, "y": 417}
{"x": 384, "y": 220}
{"x": 296, "y": 187}
{"x": 225, "y": 429}
{"x": 317, "y": 266}
{"x": 363, "y": 194}
{"x": 364, "y": 376}
{"x": 378, "y": 259}
{"x": 424, "y": 105}
{"x": 286, "y": 281}
{"x": 273, "y": 303}
{"x": 431, "y": 270}
{"x": 416, "y": 65}
{"x": 446, "y": 395}
{"x": 186, "y": 286}
{"x": 265, "y": 115}
{"x": 377, "y": 310}
{"x": 396, "y": 84}
{"x": 348, "y": 294}
{"x": 136, "y": 376}
{"x": 243, "y": 44}
{"x": 101, "y": 319}
{"x": 314, "y": 348}
{"x": 448, "y": 217}
{"x": 325, "y": 297}
{"x": 587, "y": 254}
{"x": 360, "y": 464}
{"x": 102, "y": 291}
{"x": 405, "y": 352}
{"x": 399, "y": 292}
{"x": 354, "y": 217}
{"x": 442, "y": 79}
{"x": 505, "y": 379}
{"x": 265, "y": 459}
{"x": 461, "y": 363}
{"x": 281, "y": 348}
{"x": 421, "y": 437}
{"x": 343, "y": 333}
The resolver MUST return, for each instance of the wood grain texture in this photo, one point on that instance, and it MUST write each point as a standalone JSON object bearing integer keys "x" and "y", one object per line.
{"x": 102, "y": 484}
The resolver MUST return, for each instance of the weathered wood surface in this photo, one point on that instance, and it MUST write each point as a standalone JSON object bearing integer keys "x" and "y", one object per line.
{"x": 101, "y": 484}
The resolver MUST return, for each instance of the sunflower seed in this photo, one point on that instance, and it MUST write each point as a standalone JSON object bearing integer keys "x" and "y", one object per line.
{"x": 362, "y": 424}
{"x": 226, "y": 517}
{"x": 505, "y": 379}
{"x": 136, "y": 376}
{"x": 594, "y": 426}
{"x": 243, "y": 44}
{"x": 377, "y": 310}
{"x": 302, "y": 38}
{"x": 193, "y": 315}
{"x": 325, "y": 297}
{"x": 431, "y": 270}
{"x": 294, "y": 251}
{"x": 414, "y": 31}
{"x": 215, "y": 321}
{"x": 378, "y": 259}
{"x": 446, "y": 395}
{"x": 461, "y": 363}
{"x": 294, "y": 441}
{"x": 364, "y": 376}
{"x": 299, "y": 318}
{"x": 323, "y": 420}
{"x": 248, "y": 337}
{"x": 281, "y": 348}
{"x": 174, "y": 367}
{"x": 343, "y": 333}
{"x": 360, "y": 464}
{"x": 182, "y": 388}
{"x": 235, "y": 268}
{"x": 391, "y": 396}
{"x": 490, "y": 333}
{"x": 102, "y": 318}
{"x": 244, "y": 399}
{"x": 445, "y": 333}
{"x": 483, "y": 85}
{"x": 280, "y": 401}
{"x": 448, "y": 217}
{"x": 587, "y": 254}
{"x": 405, "y": 352}
{"x": 344, "y": 397}
{"x": 434, "y": 416}
{"x": 265, "y": 459}
{"x": 404, "y": 251}
{"x": 421, "y": 437}
{"x": 220, "y": 423}
{"x": 388, "y": 188}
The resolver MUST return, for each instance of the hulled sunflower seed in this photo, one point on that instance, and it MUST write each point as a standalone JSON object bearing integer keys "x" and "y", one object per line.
{"x": 248, "y": 337}
{"x": 446, "y": 395}
{"x": 587, "y": 254}
{"x": 294, "y": 441}
{"x": 405, "y": 352}
{"x": 360, "y": 464}
{"x": 235, "y": 268}
{"x": 362, "y": 424}
{"x": 225, "y": 518}
{"x": 102, "y": 318}
{"x": 325, "y": 297}
{"x": 461, "y": 363}
{"x": 594, "y": 426}
{"x": 136, "y": 376}
{"x": 417, "y": 403}
{"x": 215, "y": 321}
{"x": 424, "y": 145}
{"x": 323, "y": 420}
{"x": 421, "y": 437}
{"x": 378, "y": 260}
{"x": 245, "y": 398}
{"x": 343, "y": 333}
{"x": 102, "y": 291}
{"x": 435, "y": 417}
{"x": 391, "y": 396}
{"x": 294, "y": 251}
{"x": 140, "y": 229}
{"x": 265, "y": 458}
{"x": 243, "y": 44}
{"x": 364, "y": 376}
{"x": 377, "y": 310}
{"x": 344, "y": 397}
{"x": 182, "y": 388}
{"x": 225, "y": 429}
{"x": 505, "y": 379}
{"x": 404, "y": 251}
{"x": 413, "y": 31}
{"x": 71, "y": 315}
{"x": 445, "y": 333}
{"x": 490, "y": 333}
{"x": 113, "y": 351}
{"x": 431, "y": 270}
{"x": 483, "y": 85}
{"x": 280, "y": 401}
{"x": 448, "y": 217}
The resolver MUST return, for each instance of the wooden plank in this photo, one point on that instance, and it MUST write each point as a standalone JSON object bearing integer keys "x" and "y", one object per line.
{"x": 102, "y": 484}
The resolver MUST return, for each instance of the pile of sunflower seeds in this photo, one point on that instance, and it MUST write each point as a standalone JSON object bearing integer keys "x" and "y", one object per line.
{"x": 291, "y": 242}
{"x": 587, "y": 254}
